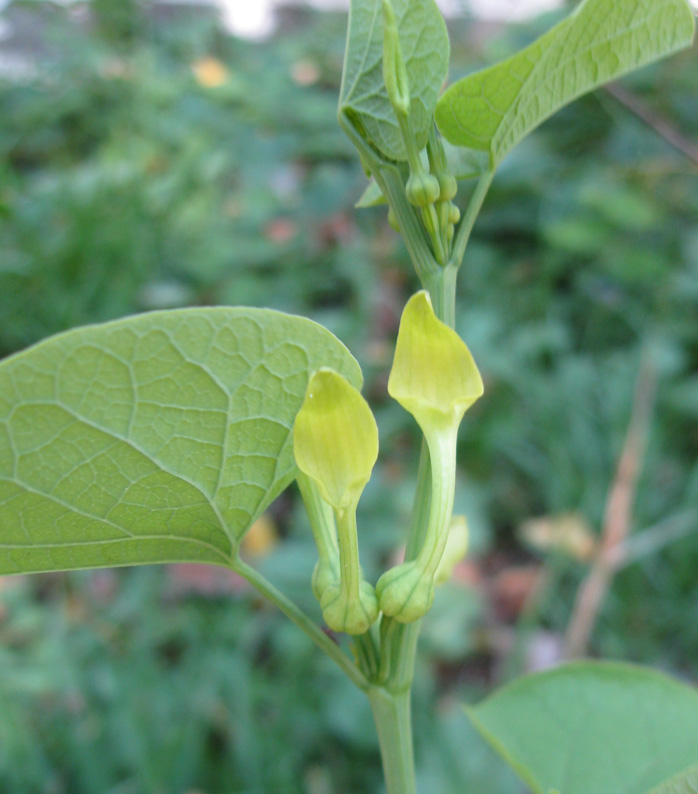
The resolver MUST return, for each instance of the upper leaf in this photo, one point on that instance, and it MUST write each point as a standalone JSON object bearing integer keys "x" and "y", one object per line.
{"x": 495, "y": 108}
{"x": 157, "y": 438}
{"x": 425, "y": 48}
{"x": 685, "y": 782}
{"x": 592, "y": 727}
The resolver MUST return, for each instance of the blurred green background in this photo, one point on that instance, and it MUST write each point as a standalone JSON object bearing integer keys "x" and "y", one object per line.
{"x": 150, "y": 160}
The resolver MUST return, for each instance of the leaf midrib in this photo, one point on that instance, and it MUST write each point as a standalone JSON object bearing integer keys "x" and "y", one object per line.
{"x": 360, "y": 71}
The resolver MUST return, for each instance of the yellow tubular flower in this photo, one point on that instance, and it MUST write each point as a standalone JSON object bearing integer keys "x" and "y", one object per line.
{"x": 335, "y": 442}
{"x": 435, "y": 378}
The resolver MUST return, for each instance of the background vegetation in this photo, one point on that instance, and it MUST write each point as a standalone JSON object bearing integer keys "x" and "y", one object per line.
{"x": 148, "y": 160}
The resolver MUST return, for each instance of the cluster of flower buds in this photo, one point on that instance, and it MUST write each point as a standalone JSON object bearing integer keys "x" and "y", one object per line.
{"x": 433, "y": 377}
{"x": 430, "y": 190}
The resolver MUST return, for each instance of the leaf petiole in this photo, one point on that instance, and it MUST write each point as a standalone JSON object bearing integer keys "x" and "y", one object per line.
{"x": 300, "y": 619}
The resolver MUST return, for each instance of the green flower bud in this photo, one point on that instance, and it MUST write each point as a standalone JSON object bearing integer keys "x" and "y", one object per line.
{"x": 325, "y": 574}
{"x": 422, "y": 189}
{"x": 453, "y": 214}
{"x": 405, "y": 593}
{"x": 448, "y": 186}
{"x": 393, "y": 221}
{"x": 351, "y": 615}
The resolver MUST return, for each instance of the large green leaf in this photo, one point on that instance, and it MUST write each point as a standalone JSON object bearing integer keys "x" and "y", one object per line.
{"x": 592, "y": 727}
{"x": 685, "y": 782}
{"x": 495, "y": 108}
{"x": 152, "y": 439}
{"x": 425, "y": 48}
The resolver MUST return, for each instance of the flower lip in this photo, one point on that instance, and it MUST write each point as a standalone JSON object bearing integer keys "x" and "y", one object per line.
{"x": 434, "y": 376}
{"x": 335, "y": 438}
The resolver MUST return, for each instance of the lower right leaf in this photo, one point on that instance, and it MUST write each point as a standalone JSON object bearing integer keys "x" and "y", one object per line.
{"x": 685, "y": 782}
{"x": 595, "y": 728}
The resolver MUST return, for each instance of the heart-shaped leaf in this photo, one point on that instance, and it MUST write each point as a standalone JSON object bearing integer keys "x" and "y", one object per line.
{"x": 158, "y": 438}
{"x": 425, "y": 48}
{"x": 685, "y": 782}
{"x": 495, "y": 108}
{"x": 594, "y": 727}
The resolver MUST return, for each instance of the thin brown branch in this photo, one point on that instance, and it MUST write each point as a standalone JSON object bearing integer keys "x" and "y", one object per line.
{"x": 617, "y": 516}
{"x": 664, "y": 128}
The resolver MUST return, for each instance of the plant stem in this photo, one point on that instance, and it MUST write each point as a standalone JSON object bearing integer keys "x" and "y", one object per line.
{"x": 421, "y": 504}
{"x": 391, "y": 712}
{"x": 398, "y": 640}
{"x": 297, "y": 616}
{"x": 466, "y": 225}
{"x": 391, "y": 182}
{"x": 441, "y": 286}
{"x": 442, "y": 451}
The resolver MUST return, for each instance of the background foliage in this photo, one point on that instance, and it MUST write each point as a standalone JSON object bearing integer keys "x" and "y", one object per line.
{"x": 148, "y": 160}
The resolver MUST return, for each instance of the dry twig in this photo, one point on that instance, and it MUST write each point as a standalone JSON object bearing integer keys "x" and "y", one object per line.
{"x": 617, "y": 516}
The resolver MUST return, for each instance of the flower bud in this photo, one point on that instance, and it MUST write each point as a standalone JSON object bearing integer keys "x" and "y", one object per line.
{"x": 352, "y": 615}
{"x": 406, "y": 592}
{"x": 422, "y": 189}
{"x": 325, "y": 574}
{"x": 448, "y": 186}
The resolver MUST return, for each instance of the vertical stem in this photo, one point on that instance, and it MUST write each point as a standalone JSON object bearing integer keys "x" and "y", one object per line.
{"x": 441, "y": 286}
{"x": 391, "y": 183}
{"x": 442, "y": 449}
{"x": 420, "y": 507}
{"x": 350, "y": 578}
{"x": 392, "y": 714}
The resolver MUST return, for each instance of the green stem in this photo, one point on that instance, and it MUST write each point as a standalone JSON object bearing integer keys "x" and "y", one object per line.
{"x": 442, "y": 451}
{"x": 429, "y": 215}
{"x": 441, "y": 286}
{"x": 466, "y": 225}
{"x": 392, "y": 185}
{"x": 297, "y": 616}
{"x": 350, "y": 576}
{"x": 321, "y": 519}
{"x": 420, "y": 507}
{"x": 366, "y": 652}
{"x": 391, "y": 713}
{"x": 399, "y": 640}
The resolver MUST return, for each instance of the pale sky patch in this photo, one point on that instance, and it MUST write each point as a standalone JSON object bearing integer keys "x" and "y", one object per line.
{"x": 254, "y": 19}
